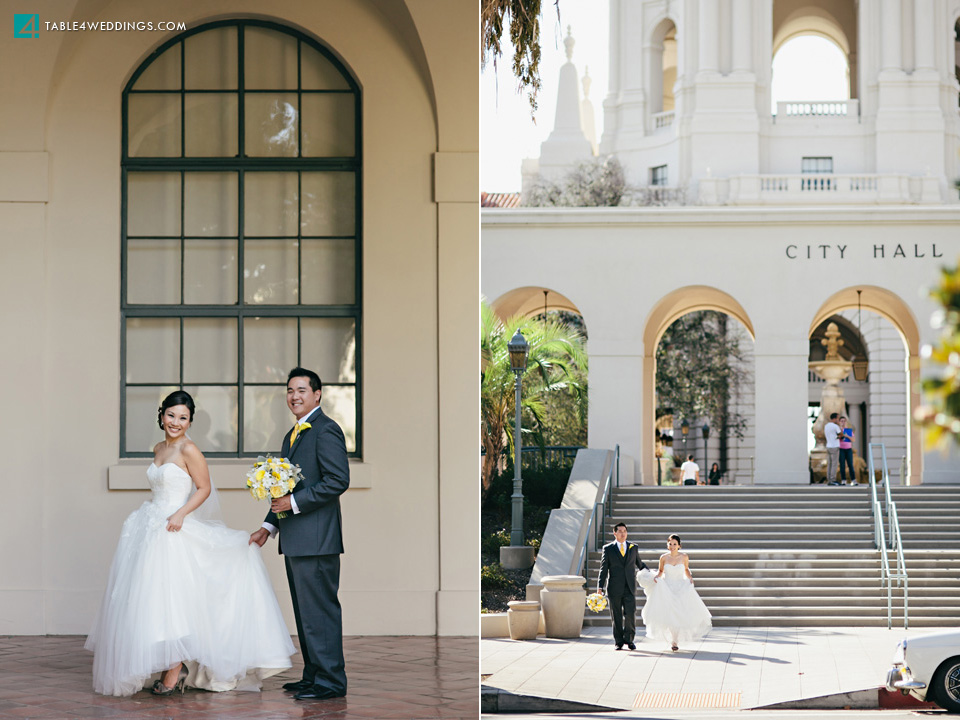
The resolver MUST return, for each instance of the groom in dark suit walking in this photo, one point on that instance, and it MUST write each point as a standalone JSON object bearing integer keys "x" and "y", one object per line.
{"x": 618, "y": 576}
{"x": 311, "y": 538}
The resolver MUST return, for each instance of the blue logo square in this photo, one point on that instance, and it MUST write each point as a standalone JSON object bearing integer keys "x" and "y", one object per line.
{"x": 26, "y": 26}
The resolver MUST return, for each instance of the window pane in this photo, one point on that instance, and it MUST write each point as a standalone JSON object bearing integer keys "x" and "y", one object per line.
{"x": 340, "y": 404}
{"x": 153, "y": 350}
{"x": 270, "y": 204}
{"x": 270, "y": 59}
{"x": 266, "y": 418}
{"x": 163, "y": 73}
{"x": 154, "y": 125}
{"x": 269, "y": 349}
{"x": 153, "y": 272}
{"x": 211, "y": 60}
{"x": 328, "y": 272}
{"x": 210, "y": 272}
{"x": 328, "y": 206}
{"x": 210, "y": 350}
{"x": 142, "y": 431}
{"x": 328, "y": 346}
{"x": 214, "y": 427}
{"x": 153, "y": 204}
{"x": 210, "y": 204}
{"x": 328, "y": 125}
{"x": 271, "y": 125}
{"x": 318, "y": 73}
{"x": 211, "y": 125}
{"x": 270, "y": 273}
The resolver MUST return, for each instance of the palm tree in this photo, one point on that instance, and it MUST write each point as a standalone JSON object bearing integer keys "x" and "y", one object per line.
{"x": 556, "y": 362}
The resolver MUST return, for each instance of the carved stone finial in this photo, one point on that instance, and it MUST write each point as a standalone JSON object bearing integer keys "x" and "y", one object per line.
{"x": 585, "y": 81}
{"x": 832, "y": 342}
{"x": 568, "y": 43}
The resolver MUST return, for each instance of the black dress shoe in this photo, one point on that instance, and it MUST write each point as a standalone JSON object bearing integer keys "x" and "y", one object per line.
{"x": 631, "y": 646}
{"x": 620, "y": 647}
{"x": 297, "y": 686}
{"x": 315, "y": 692}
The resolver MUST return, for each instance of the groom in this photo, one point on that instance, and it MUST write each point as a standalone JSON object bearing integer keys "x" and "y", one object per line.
{"x": 311, "y": 539}
{"x": 618, "y": 575}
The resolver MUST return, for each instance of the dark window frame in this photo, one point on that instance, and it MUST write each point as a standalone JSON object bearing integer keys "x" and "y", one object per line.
{"x": 658, "y": 176}
{"x": 241, "y": 164}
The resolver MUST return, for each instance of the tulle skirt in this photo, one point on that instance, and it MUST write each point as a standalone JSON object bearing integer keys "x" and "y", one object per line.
{"x": 201, "y": 595}
{"x": 673, "y": 611}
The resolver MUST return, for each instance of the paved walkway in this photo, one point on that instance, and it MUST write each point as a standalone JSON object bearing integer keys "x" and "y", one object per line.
{"x": 389, "y": 677}
{"x": 741, "y": 667}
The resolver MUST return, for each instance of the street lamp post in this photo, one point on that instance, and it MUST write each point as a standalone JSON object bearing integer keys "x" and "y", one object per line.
{"x": 517, "y": 555}
{"x": 684, "y": 429}
{"x": 706, "y": 436}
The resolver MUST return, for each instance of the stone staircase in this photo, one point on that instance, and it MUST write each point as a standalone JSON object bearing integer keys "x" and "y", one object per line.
{"x": 797, "y": 555}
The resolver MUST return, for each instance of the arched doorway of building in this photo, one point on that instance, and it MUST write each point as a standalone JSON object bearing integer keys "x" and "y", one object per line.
{"x": 706, "y": 410}
{"x": 880, "y": 406}
{"x": 564, "y": 424}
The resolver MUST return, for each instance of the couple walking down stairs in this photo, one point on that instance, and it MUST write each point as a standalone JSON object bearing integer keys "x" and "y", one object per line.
{"x": 797, "y": 555}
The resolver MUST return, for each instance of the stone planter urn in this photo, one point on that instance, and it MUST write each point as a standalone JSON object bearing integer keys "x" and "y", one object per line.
{"x": 564, "y": 601}
{"x": 523, "y": 619}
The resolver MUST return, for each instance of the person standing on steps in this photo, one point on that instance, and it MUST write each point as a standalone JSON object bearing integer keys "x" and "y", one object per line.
{"x": 831, "y": 433}
{"x": 690, "y": 472}
{"x": 619, "y": 563}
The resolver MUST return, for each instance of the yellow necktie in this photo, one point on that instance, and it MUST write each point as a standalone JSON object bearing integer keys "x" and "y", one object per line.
{"x": 294, "y": 433}
{"x": 623, "y": 552}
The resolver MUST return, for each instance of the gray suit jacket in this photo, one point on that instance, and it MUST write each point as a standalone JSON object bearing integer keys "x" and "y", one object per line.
{"x": 321, "y": 453}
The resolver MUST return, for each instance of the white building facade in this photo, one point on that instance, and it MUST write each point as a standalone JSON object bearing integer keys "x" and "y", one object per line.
{"x": 777, "y": 219}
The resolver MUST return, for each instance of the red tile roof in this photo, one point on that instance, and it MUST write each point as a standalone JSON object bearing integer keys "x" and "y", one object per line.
{"x": 500, "y": 200}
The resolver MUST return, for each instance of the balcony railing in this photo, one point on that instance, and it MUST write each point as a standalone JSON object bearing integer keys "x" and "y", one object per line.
{"x": 826, "y": 109}
{"x": 819, "y": 188}
{"x": 663, "y": 120}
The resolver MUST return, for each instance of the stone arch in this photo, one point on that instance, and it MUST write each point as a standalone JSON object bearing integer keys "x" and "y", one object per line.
{"x": 835, "y": 22}
{"x": 890, "y": 306}
{"x": 662, "y": 63}
{"x": 667, "y": 310}
{"x": 529, "y": 301}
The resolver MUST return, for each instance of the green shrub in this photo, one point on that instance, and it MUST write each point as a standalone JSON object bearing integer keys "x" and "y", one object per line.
{"x": 544, "y": 487}
{"x": 493, "y": 578}
{"x": 492, "y": 543}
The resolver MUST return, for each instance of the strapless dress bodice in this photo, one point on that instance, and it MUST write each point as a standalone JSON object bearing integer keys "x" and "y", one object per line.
{"x": 170, "y": 483}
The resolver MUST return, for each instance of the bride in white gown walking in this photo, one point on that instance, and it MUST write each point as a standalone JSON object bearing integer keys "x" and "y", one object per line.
{"x": 673, "y": 610}
{"x": 187, "y": 597}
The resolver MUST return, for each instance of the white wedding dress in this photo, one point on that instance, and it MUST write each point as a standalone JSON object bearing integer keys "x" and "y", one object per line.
{"x": 673, "y": 610}
{"x": 201, "y": 595}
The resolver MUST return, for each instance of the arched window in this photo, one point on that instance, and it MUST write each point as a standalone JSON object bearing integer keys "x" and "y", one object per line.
{"x": 240, "y": 235}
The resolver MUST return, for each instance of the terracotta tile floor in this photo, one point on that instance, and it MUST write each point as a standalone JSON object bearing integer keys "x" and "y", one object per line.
{"x": 389, "y": 677}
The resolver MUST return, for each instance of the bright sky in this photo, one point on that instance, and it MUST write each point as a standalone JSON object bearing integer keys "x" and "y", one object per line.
{"x": 806, "y": 68}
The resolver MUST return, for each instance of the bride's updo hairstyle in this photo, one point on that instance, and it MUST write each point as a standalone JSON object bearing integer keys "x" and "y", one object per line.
{"x": 177, "y": 397}
{"x": 672, "y": 537}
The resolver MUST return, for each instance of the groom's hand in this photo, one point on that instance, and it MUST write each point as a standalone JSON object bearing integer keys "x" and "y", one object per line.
{"x": 259, "y": 537}
{"x": 281, "y": 504}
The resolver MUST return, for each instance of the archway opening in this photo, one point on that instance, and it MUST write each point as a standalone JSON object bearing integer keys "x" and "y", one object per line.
{"x": 809, "y": 68}
{"x": 704, "y": 385}
{"x": 663, "y": 70}
{"x": 878, "y": 408}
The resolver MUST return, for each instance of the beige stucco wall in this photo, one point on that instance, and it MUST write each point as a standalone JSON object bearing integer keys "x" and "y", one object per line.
{"x": 410, "y": 522}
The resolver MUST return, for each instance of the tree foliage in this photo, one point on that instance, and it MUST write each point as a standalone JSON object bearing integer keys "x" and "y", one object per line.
{"x": 941, "y": 413}
{"x": 700, "y": 369}
{"x": 523, "y": 19}
{"x": 556, "y": 363}
{"x": 599, "y": 182}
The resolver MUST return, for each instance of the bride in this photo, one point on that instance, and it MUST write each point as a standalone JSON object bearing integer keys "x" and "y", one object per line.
{"x": 673, "y": 610}
{"x": 187, "y": 597}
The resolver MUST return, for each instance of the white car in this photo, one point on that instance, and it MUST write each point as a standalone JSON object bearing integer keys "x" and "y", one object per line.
{"x": 928, "y": 667}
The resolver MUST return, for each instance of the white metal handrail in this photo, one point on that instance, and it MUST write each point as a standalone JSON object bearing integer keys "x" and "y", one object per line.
{"x": 600, "y": 509}
{"x": 887, "y": 577}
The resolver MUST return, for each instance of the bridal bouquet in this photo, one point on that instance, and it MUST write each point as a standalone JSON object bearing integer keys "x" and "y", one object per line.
{"x": 596, "y": 602}
{"x": 273, "y": 477}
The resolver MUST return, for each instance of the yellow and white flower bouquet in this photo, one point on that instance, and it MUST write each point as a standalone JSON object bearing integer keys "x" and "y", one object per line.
{"x": 596, "y": 602}
{"x": 273, "y": 477}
